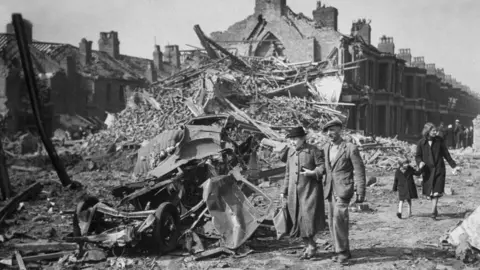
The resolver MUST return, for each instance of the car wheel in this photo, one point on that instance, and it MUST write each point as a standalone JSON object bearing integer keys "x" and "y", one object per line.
{"x": 166, "y": 227}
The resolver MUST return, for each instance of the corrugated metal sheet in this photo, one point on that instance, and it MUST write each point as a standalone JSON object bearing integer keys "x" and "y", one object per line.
{"x": 4, "y": 39}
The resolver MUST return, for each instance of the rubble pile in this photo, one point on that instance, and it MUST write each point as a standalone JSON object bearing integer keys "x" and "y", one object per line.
{"x": 143, "y": 119}
{"x": 384, "y": 153}
{"x": 285, "y": 111}
{"x": 268, "y": 91}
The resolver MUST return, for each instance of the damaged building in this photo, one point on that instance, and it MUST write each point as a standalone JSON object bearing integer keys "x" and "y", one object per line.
{"x": 76, "y": 80}
{"x": 394, "y": 93}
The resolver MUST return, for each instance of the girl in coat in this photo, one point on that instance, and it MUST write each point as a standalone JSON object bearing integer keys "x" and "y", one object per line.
{"x": 405, "y": 185}
{"x": 431, "y": 150}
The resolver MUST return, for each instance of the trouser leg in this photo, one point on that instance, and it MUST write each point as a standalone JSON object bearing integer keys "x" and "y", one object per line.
{"x": 338, "y": 222}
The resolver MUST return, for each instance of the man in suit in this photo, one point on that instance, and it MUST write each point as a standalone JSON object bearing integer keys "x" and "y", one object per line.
{"x": 345, "y": 171}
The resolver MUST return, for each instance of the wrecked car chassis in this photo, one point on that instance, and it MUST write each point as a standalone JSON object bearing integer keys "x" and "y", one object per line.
{"x": 201, "y": 179}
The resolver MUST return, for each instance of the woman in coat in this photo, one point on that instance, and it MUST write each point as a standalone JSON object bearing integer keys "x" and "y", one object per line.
{"x": 405, "y": 185}
{"x": 431, "y": 150}
{"x": 303, "y": 190}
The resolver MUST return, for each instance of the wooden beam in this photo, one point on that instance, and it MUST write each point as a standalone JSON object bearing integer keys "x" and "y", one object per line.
{"x": 21, "y": 264}
{"x": 43, "y": 246}
{"x": 12, "y": 205}
{"x": 30, "y": 79}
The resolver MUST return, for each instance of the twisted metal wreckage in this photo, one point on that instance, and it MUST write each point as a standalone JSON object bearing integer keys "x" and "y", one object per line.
{"x": 203, "y": 177}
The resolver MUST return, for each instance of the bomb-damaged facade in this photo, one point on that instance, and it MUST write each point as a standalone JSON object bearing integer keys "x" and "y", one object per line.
{"x": 394, "y": 93}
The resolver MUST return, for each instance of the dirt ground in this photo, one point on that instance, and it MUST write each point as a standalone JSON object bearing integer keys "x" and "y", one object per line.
{"x": 379, "y": 240}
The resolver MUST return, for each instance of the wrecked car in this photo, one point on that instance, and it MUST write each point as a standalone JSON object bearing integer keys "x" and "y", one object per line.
{"x": 202, "y": 173}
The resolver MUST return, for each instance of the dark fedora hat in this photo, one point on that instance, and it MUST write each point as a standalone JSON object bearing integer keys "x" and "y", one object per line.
{"x": 296, "y": 132}
{"x": 332, "y": 123}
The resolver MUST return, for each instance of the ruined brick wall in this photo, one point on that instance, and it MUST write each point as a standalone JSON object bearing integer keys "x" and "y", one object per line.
{"x": 111, "y": 95}
{"x": 60, "y": 94}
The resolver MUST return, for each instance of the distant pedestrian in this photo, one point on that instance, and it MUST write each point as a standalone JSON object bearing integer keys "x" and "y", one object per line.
{"x": 404, "y": 183}
{"x": 471, "y": 136}
{"x": 450, "y": 138}
{"x": 303, "y": 190}
{"x": 468, "y": 137}
{"x": 442, "y": 130}
{"x": 459, "y": 134}
{"x": 345, "y": 172}
{"x": 431, "y": 150}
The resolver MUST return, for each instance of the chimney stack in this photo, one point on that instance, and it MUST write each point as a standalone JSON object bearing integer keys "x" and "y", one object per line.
{"x": 85, "y": 51}
{"x": 270, "y": 8}
{"x": 405, "y": 55}
{"x": 362, "y": 28}
{"x": 151, "y": 73}
{"x": 325, "y": 17}
{"x": 172, "y": 55}
{"x": 158, "y": 58}
{"x": 109, "y": 43}
{"x": 28, "y": 29}
{"x": 419, "y": 62}
{"x": 431, "y": 70}
{"x": 386, "y": 45}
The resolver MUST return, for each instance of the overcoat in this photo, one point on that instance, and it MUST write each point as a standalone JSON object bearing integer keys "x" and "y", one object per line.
{"x": 345, "y": 174}
{"x": 405, "y": 185}
{"x": 305, "y": 201}
{"x": 433, "y": 172}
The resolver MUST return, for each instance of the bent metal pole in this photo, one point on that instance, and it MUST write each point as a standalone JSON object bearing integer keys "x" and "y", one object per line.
{"x": 29, "y": 75}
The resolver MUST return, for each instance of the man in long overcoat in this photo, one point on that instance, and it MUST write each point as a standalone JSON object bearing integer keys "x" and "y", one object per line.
{"x": 345, "y": 170}
{"x": 303, "y": 190}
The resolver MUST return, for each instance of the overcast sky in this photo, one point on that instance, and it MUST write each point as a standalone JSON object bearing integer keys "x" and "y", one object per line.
{"x": 443, "y": 31}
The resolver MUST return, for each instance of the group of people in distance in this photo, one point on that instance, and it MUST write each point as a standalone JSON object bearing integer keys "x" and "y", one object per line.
{"x": 335, "y": 174}
{"x": 458, "y": 136}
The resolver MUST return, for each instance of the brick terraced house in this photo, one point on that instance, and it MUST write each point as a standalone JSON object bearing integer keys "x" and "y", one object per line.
{"x": 76, "y": 80}
{"x": 393, "y": 94}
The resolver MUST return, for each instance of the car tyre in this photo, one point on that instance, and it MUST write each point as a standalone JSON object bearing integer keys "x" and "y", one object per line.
{"x": 166, "y": 229}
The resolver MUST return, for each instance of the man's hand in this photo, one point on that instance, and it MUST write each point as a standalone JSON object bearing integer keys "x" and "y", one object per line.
{"x": 307, "y": 172}
{"x": 455, "y": 170}
{"x": 421, "y": 165}
{"x": 283, "y": 200}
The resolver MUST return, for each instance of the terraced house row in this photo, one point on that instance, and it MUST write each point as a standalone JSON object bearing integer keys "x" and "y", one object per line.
{"x": 394, "y": 92}
{"x": 76, "y": 82}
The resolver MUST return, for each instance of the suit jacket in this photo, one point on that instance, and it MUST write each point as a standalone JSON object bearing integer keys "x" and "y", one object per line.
{"x": 346, "y": 172}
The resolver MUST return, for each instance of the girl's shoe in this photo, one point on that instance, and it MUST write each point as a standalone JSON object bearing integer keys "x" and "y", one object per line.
{"x": 399, "y": 215}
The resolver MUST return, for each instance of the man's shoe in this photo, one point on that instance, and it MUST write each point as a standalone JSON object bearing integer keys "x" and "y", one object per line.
{"x": 344, "y": 257}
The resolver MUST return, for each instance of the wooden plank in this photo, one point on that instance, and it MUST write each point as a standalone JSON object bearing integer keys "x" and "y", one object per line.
{"x": 43, "y": 246}
{"x": 12, "y": 205}
{"x": 30, "y": 79}
{"x": 25, "y": 169}
{"x": 48, "y": 256}
{"x": 21, "y": 264}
